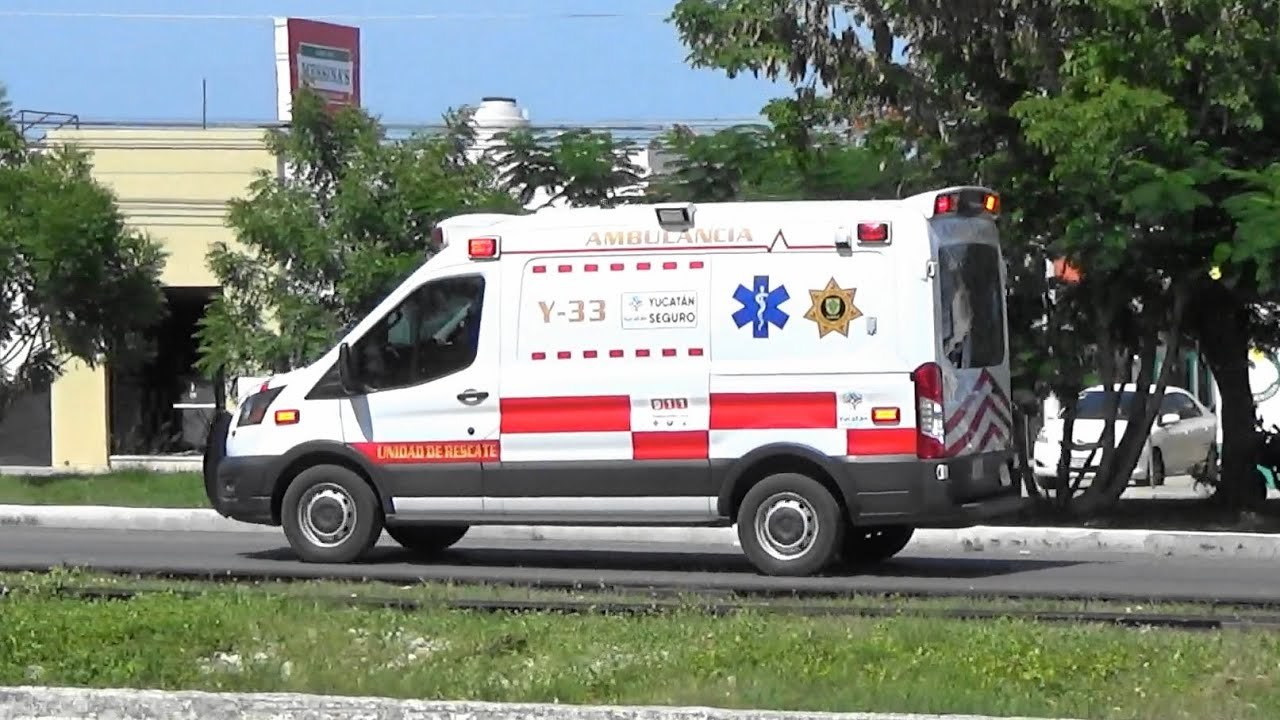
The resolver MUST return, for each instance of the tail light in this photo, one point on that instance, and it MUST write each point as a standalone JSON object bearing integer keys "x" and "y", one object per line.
{"x": 930, "y": 428}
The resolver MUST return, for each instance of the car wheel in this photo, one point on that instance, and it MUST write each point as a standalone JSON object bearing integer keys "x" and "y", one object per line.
{"x": 330, "y": 515}
{"x": 1155, "y": 477}
{"x": 1211, "y": 467}
{"x": 790, "y": 524}
{"x": 871, "y": 545}
{"x": 427, "y": 539}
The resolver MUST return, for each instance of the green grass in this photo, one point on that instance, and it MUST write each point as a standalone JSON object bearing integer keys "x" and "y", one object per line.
{"x": 250, "y": 640}
{"x": 125, "y": 488}
{"x": 437, "y": 592}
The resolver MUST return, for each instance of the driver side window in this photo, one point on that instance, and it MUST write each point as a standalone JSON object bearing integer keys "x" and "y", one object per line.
{"x": 434, "y": 332}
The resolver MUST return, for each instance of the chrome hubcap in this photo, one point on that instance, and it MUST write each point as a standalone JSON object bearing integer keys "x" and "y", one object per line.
{"x": 786, "y": 526}
{"x": 327, "y": 515}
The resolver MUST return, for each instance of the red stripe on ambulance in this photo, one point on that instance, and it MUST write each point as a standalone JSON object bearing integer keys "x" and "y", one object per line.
{"x": 590, "y": 413}
{"x": 677, "y": 445}
{"x": 773, "y": 411}
{"x": 881, "y": 441}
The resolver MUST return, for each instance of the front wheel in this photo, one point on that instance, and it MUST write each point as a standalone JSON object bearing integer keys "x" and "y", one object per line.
{"x": 1155, "y": 477}
{"x": 871, "y": 545}
{"x": 330, "y": 515}
{"x": 789, "y": 524}
{"x": 426, "y": 539}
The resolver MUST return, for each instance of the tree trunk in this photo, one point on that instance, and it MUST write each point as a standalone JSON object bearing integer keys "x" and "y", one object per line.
{"x": 1225, "y": 347}
{"x": 1117, "y": 464}
{"x": 1025, "y": 473}
{"x": 1062, "y": 487}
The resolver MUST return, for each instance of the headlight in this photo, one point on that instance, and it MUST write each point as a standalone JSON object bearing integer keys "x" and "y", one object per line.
{"x": 255, "y": 406}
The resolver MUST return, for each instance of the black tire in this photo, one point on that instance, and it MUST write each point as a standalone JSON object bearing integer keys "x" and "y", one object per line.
{"x": 361, "y": 522}
{"x": 214, "y": 451}
{"x": 871, "y": 545}
{"x": 1211, "y": 467}
{"x": 1155, "y": 476}
{"x": 803, "y": 499}
{"x": 427, "y": 539}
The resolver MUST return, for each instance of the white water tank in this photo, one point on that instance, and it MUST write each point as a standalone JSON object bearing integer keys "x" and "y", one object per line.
{"x": 495, "y": 115}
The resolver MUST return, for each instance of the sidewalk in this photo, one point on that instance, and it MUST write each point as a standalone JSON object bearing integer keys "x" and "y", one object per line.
{"x": 1024, "y": 540}
{"x": 43, "y": 702}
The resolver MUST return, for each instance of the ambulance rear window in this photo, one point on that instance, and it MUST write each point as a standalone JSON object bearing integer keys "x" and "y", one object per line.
{"x": 972, "y": 305}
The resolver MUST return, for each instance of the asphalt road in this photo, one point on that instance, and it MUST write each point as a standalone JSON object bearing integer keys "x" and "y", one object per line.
{"x": 1137, "y": 577}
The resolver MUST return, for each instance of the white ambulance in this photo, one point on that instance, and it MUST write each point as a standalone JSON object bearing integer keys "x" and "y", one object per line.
{"x": 826, "y": 375}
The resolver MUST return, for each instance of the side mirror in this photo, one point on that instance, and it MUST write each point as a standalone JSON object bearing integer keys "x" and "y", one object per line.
{"x": 1169, "y": 419}
{"x": 346, "y": 369}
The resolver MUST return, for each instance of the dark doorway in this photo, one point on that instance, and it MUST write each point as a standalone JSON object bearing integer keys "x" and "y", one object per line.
{"x": 26, "y": 431}
{"x": 165, "y": 407}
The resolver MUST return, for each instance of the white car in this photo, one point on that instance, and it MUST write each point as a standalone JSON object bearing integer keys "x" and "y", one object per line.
{"x": 1183, "y": 439}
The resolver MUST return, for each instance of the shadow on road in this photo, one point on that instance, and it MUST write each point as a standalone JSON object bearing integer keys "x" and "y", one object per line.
{"x": 494, "y": 559}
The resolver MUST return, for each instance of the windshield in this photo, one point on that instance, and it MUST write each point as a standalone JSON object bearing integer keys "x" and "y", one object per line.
{"x": 1093, "y": 406}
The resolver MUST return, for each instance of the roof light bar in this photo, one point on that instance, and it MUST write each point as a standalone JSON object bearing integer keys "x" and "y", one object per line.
{"x": 966, "y": 202}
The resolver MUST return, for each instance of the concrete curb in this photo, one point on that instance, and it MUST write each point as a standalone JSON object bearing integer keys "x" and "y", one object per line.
{"x": 41, "y": 703}
{"x": 979, "y": 539}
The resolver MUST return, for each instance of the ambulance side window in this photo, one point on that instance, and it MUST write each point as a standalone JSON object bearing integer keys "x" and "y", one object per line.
{"x": 434, "y": 332}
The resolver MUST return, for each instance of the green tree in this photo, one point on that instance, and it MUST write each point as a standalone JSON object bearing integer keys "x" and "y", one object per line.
{"x": 1117, "y": 129}
{"x": 320, "y": 247}
{"x": 800, "y": 151}
{"x": 579, "y": 167}
{"x": 76, "y": 282}
{"x": 1161, "y": 119}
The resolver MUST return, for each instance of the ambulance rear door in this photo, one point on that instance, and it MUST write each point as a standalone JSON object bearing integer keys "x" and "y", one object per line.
{"x": 972, "y": 331}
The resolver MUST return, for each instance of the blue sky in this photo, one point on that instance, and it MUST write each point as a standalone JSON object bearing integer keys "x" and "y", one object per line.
{"x": 560, "y": 69}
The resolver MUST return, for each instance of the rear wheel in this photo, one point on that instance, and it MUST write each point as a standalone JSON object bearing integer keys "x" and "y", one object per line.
{"x": 790, "y": 524}
{"x": 871, "y": 545}
{"x": 1210, "y": 473}
{"x": 427, "y": 539}
{"x": 330, "y": 515}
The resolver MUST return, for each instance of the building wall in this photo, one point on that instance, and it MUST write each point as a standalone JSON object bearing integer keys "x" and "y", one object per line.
{"x": 173, "y": 184}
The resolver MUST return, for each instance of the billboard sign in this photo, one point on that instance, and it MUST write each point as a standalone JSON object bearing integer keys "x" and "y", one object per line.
{"x": 319, "y": 55}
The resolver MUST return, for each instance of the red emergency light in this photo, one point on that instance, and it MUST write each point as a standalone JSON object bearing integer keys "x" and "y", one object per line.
{"x": 873, "y": 233}
{"x": 482, "y": 248}
{"x": 966, "y": 202}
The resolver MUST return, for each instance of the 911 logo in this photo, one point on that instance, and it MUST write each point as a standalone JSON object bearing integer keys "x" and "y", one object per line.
{"x": 669, "y": 403}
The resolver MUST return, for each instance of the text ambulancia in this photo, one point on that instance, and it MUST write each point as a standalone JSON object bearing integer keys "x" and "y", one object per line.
{"x": 828, "y": 376}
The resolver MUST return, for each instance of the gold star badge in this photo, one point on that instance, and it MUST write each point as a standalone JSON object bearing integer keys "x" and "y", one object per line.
{"x": 833, "y": 309}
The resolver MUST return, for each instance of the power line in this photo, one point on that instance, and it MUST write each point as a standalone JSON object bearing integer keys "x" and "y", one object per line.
{"x": 407, "y": 17}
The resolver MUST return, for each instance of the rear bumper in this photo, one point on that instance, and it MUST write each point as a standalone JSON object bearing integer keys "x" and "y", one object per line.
{"x": 911, "y": 493}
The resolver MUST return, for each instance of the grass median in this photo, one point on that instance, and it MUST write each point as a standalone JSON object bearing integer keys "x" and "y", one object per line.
{"x": 124, "y": 488}
{"x": 251, "y": 640}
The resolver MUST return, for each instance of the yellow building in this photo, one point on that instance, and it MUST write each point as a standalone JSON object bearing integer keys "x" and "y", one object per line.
{"x": 172, "y": 183}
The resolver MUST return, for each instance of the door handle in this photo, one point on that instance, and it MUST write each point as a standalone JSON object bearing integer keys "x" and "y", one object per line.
{"x": 472, "y": 397}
